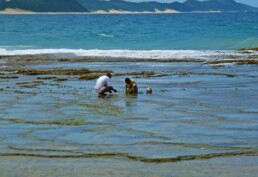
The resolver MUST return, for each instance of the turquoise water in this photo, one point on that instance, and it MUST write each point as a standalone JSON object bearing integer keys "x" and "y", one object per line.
{"x": 133, "y": 32}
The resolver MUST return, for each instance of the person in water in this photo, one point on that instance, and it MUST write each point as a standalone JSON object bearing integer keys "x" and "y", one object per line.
{"x": 130, "y": 86}
{"x": 103, "y": 85}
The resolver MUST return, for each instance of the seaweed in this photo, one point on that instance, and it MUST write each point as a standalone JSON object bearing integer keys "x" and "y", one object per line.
{"x": 32, "y": 85}
{"x": 255, "y": 49}
{"x": 9, "y": 77}
{"x": 239, "y": 62}
{"x": 60, "y": 79}
{"x": 106, "y": 110}
{"x": 215, "y": 74}
{"x": 60, "y": 71}
{"x": 38, "y": 82}
{"x": 22, "y": 83}
{"x": 54, "y": 72}
{"x": 46, "y": 78}
{"x": 71, "y": 122}
{"x": 65, "y": 121}
{"x": 143, "y": 73}
{"x": 89, "y": 76}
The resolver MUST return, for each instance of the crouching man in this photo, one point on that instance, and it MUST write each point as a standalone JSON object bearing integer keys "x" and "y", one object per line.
{"x": 130, "y": 86}
{"x": 103, "y": 85}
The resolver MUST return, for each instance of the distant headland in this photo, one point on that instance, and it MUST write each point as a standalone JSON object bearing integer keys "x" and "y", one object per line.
{"x": 119, "y": 6}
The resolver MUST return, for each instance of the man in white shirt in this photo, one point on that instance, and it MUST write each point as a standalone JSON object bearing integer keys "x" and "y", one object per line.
{"x": 103, "y": 85}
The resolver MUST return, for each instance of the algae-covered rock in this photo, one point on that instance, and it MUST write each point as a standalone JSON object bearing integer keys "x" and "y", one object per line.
{"x": 53, "y": 71}
{"x": 22, "y": 83}
{"x": 72, "y": 121}
{"x": 145, "y": 74}
{"x": 46, "y": 78}
{"x": 66, "y": 121}
{"x": 239, "y": 62}
{"x": 38, "y": 82}
{"x": 89, "y": 76}
{"x": 20, "y": 92}
{"x": 9, "y": 77}
{"x": 32, "y": 85}
{"x": 183, "y": 73}
{"x": 148, "y": 73}
{"x": 255, "y": 49}
{"x": 60, "y": 79}
{"x": 82, "y": 71}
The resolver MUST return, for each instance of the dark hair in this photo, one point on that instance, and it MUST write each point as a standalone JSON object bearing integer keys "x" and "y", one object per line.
{"x": 127, "y": 80}
{"x": 109, "y": 75}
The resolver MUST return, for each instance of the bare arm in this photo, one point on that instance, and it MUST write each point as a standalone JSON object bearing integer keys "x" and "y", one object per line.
{"x": 135, "y": 88}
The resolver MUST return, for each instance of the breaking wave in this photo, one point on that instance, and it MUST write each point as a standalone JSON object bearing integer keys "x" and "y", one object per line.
{"x": 139, "y": 54}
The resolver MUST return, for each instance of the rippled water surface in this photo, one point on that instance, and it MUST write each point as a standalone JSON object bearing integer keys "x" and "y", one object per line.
{"x": 196, "y": 111}
{"x": 186, "y": 31}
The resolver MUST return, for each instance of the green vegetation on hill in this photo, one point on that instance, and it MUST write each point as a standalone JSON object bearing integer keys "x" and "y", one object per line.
{"x": 44, "y": 5}
{"x": 121, "y": 5}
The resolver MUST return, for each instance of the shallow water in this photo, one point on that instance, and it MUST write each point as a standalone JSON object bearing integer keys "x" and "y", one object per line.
{"x": 196, "y": 111}
{"x": 229, "y": 167}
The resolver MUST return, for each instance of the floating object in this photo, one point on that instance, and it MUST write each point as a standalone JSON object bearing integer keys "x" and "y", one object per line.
{"x": 149, "y": 90}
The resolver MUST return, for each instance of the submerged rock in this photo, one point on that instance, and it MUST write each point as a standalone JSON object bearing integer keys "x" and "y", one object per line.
{"x": 255, "y": 49}
{"x": 89, "y": 76}
{"x": 239, "y": 62}
{"x": 60, "y": 71}
{"x": 9, "y": 77}
{"x": 60, "y": 79}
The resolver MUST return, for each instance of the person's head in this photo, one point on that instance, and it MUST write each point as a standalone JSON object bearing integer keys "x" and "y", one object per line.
{"x": 127, "y": 80}
{"x": 109, "y": 75}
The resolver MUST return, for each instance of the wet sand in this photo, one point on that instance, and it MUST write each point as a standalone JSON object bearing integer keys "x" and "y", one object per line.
{"x": 28, "y": 167}
{"x": 201, "y": 114}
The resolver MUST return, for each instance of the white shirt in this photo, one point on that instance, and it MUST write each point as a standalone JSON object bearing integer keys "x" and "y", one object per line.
{"x": 103, "y": 81}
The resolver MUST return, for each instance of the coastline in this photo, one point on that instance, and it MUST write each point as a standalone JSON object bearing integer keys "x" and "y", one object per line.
{"x": 10, "y": 11}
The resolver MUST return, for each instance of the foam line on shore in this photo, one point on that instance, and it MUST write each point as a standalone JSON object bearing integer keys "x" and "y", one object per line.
{"x": 141, "y": 54}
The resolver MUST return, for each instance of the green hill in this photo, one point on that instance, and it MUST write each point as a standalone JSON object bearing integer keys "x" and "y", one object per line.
{"x": 44, "y": 5}
{"x": 121, "y": 5}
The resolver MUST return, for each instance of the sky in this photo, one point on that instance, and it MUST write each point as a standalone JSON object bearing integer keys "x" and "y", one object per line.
{"x": 248, "y": 2}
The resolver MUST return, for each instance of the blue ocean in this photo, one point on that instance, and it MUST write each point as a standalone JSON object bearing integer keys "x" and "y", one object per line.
{"x": 145, "y": 32}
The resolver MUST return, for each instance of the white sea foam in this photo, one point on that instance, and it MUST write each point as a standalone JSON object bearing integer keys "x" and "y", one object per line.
{"x": 142, "y": 54}
{"x": 106, "y": 35}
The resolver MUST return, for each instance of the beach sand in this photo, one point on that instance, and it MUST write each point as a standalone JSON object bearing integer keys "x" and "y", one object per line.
{"x": 15, "y": 11}
{"x": 112, "y": 11}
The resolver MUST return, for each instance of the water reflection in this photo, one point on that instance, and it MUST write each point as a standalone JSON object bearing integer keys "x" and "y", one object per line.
{"x": 130, "y": 100}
